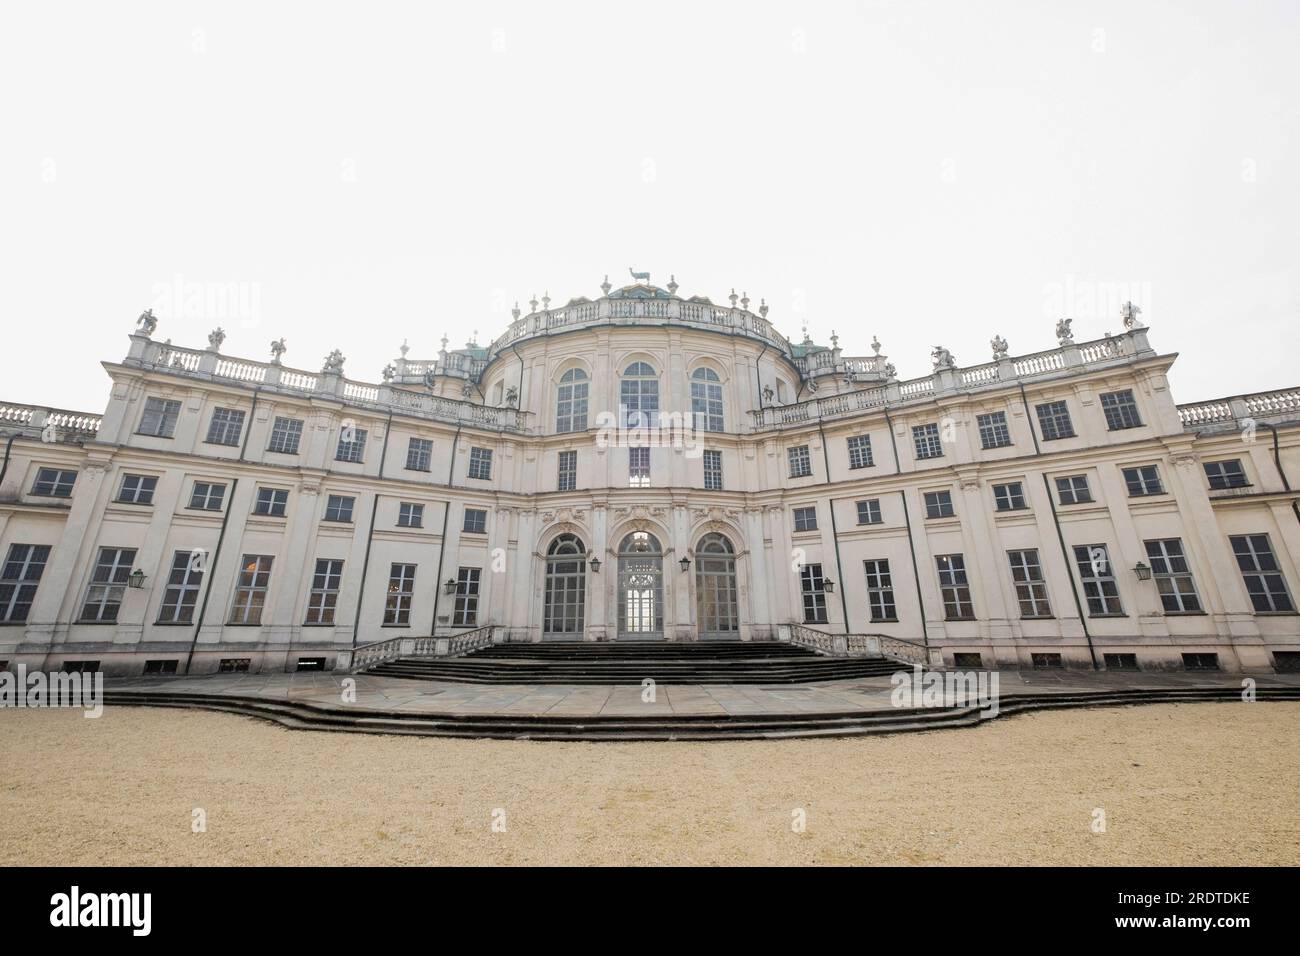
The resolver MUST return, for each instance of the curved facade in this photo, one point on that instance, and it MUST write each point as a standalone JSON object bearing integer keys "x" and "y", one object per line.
{"x": 644, "y": 466}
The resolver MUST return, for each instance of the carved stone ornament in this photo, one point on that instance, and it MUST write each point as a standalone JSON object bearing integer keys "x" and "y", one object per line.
{"x": 1000, "y": 347}
{"x": 147, "y": 322}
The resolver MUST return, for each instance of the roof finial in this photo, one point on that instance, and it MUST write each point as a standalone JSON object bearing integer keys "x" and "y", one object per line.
{"x": 762, "y": 307}
{"x": 605, "y": 286}
{"x": 546, "y": 299}
{"x": 672, "y": 285}
{"x": 533, "y": 302}
{"x": 744, "y": 301}
{"x": 404, "y": 349}
{"x": 514, "y": 313}
{"x": 444, "y": 341}
{"x": 733, "y": 297}
{"x": 835, "y": 340}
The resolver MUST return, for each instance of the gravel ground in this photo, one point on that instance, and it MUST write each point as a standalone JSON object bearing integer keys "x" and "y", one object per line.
{"x": 1179, "y": 784}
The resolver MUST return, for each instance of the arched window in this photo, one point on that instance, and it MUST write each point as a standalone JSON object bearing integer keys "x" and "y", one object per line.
{"x": 718, "y": 615}
{"x": 640, "y": 587}
{"x": 566, "y": 586}
{"x": 639, "y": 396}
{"x": 571, "y": 402}
{"x": 706, "y": 400}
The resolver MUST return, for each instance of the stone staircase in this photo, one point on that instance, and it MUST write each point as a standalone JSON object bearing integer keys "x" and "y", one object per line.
{"x": 705, "y": 662}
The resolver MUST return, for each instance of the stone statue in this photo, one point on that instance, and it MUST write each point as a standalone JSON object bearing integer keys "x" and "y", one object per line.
{"x": 768, "y": 394}
{"x": 999, "y": 347}
{"x": 639, "y": 276}
{"x": 278, "y": 348}
{"x": 1131, "y": 320}
{"x": 942, "y": 357}
{"x": 891, "y": 373}
{"x": 147, "y": 322}
{"x": 215, "y": 338}
{"x": 512, "y": 396}
{"x": 389, "y": 371}
{"x": 875, "y": 345}
{"x": 334, "y": 363}
{"x": 1063, "y": 333}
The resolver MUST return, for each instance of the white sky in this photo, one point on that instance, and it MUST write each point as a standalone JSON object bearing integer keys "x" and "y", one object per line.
{"x": 933, "y": 173}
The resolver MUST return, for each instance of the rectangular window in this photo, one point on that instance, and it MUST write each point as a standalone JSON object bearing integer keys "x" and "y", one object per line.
{"x": 1142, "y": 481}
{"x": 1172, "y": 575}
{"x": 54, "y": 483}
{"x": 401, "y": 591}
{"x": 410, "y": 515}
{"x": 1226, "y": 474}
{"x": 880, "y": 591}
{"x": 271, "y": 501}
{"x": 251, "y": 588}
{"x": 323, "y": 599}
{"x": 1121, "y": 410}
{"x": 475, "y": 521}
{"x": 107, "y": 585}
{"x": 638, "y": 467}
{"x": 160, "y": 417}
{"x": 800, "y": 461}
{"x": 712, "y": 470}
{"x": 869, "y": 511}
{"x": 137, "y": 489}
{"x": 1098, "y": 578}
{"x": 19, "y": 578}
{"x": 812, "y": 585}
{"x": 1261, "y": 574}
{"x": 352, "y": 444}
{"x": 860, "y": 452}
{"x": 954, "y": 587}
{"x": 226, "y": 426}
{"x": 339, "y": 508}
{"x": 207, "y": 496}
{"x": 465, "y": 613}
{"x": 182, "y": 588}
{"x": 1073, "y": 490}
{"x": 567, "y": 479}
{"x": 286, "y": 434}
{"x": 234, "y": 665}
{"x": 480, "y": 463}
{"x": 1031, "y": 589}
{"x": 805, "y": 519}
{"x": 993, "y": 430}
{"x": 927, "y": 441}
{"x": 1009, "y": 497}
{"x": 419, "y": 454}
{"x": 938, "y": 504}
{"x": 1054, "y": 420}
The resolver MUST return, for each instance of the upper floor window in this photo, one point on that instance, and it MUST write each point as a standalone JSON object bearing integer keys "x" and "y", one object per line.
{"x": 712, "y": 470}
{"x": 1120, "y": 409}
{"x": 352, "y": 444}
{"x": 567, "y": 480}
{"x": 927, "y": 441}
{"x": 54, "y": 483}
{"x": 419, "y": 454}
{"x": 800, "y": 461}
{"x": 706, "y": 399}
{"x": 271, "y": 501}
{"x": 639, "y": 396}
{"x": 160, "y": 417}
{"x": 1009, "y": 497}
{"x": 410, "y": 515}
{"x": 805, "y": 519}
{"x": 286, "y": 433}
{"x": 207, "y": 496}
{"x": 993, "y": 430}
{"x": 571, "y": 401}
{"x": 938, "y": 504}
{"x": 480, "y": 463}
{"x": 137, "y": 489}
{"x": 339, "y": 508}
{"x": 860, "y": 451}
{"x": 1073, "y": 490}
{"x": 475, "y": 521}
{"x": 1225, "y": 474}
{"x": 638, "y": 467}
{"x": 1143, "y": 480}
{"x": 226, "y": 426}
{"x": 1054, "y": 420}
{"x": 869, "y": 511}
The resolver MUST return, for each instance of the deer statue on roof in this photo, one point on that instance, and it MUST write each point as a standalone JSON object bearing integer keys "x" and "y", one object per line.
{"x": 639, "y": 276}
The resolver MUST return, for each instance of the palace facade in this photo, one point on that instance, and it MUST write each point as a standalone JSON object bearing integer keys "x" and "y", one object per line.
{"x": 645, "y": 466}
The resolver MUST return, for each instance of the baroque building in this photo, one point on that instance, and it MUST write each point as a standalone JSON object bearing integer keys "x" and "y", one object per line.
{"x": 645, "y": 466}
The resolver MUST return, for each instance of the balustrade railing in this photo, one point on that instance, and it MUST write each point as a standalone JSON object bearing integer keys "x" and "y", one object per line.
{"x": 373, "y": 654}
{"x": 1238, "y": 408}
{"x": 52, "y": 424}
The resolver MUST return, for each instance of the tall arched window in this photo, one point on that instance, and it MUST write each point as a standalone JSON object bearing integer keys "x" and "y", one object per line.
{"x": 566, "y": 587}
{"x": 706, "y": 400}
{"x": 639, "y": 396}
{"x": 571, "y": 402}
{"x": 718, "y": 615}
{"x": 640, "y": 587}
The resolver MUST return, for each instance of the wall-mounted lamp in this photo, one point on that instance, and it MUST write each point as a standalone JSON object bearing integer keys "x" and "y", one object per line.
{"x": 449, "y": 586}
{"x": 828, "y": 585}
{"x": 685, "y": 564}
{"x": 1142, "y": 571}
{"x": 595, "y": 565}
{"x": 135, "y": 579}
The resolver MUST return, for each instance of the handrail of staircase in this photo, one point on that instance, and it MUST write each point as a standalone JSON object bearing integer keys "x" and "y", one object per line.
{"x": 377, "y": 652}
{"x": 856, "y": 645}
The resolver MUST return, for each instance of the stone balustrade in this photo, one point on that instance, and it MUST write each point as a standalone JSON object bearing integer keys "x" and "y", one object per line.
{"x": 50, "y": 424}
{"x": 1226, "y": 414}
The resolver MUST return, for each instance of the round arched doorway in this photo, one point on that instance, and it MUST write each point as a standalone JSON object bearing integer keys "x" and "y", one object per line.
{"x": 564, "y": 606}
{"x": 640, "y": 587}
{"x": 717, "y": 616}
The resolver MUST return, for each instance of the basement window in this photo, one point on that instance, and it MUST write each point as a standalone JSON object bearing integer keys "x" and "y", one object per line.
{"x": 1284, "y": 662}
{"x": 1201, "y": 662}
{"x": 233, "y": 665}
{"x": 965, "y": 659}
{"x": 1046, "y": 660}
{"x": 79, "y": 667}
{"x": 311, "y": 664}
{"x": 160, "y": 667}
{"x": 1121, "y": 662}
